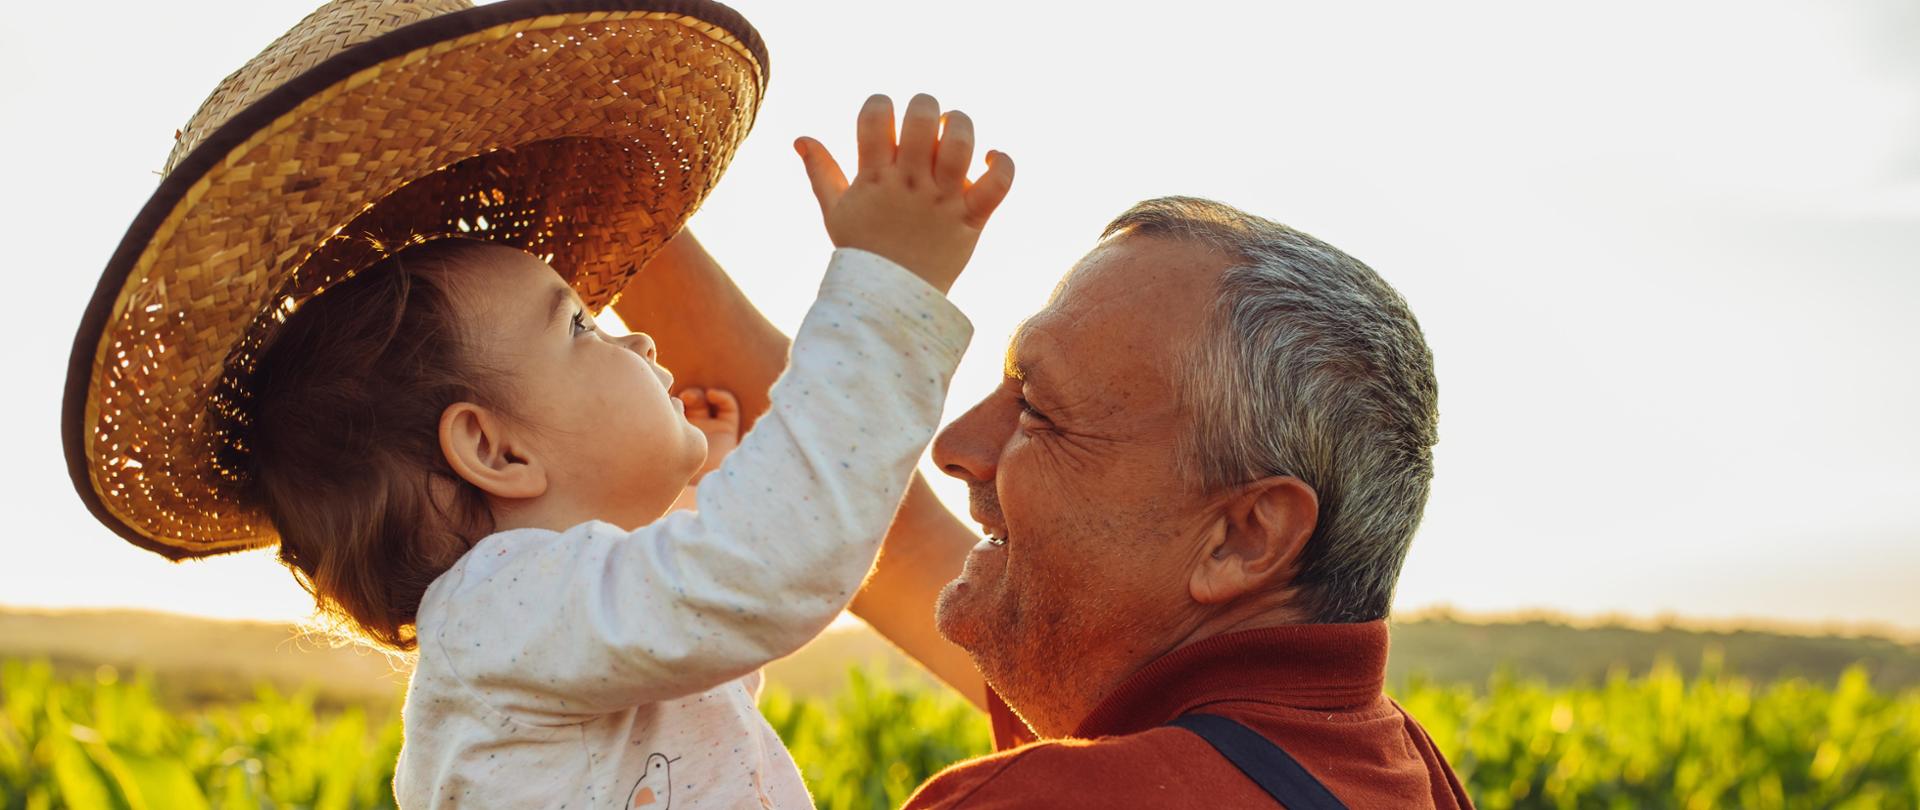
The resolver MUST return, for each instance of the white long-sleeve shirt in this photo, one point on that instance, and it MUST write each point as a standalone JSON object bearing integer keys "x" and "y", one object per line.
{"x": 600, "y": 667}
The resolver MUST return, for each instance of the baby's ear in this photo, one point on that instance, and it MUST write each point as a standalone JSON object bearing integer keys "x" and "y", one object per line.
{"x": 479, "y": 446}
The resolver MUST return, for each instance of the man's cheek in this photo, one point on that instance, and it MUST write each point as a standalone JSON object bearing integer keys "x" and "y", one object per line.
{"x": 1044, "y": 580}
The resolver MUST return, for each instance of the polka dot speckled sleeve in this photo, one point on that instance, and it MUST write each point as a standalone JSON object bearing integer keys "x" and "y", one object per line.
{"x": 595, "y": 618}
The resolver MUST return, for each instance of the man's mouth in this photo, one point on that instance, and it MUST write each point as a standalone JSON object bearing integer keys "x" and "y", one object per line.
{"x": 985, "y": 509}
{"x": 994, "y": 537}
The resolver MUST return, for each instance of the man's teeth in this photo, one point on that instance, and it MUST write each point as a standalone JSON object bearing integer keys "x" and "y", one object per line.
{"x": 998, "y": 540}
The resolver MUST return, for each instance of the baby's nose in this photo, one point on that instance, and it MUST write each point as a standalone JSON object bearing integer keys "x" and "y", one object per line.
{"x": 641, "y": 344}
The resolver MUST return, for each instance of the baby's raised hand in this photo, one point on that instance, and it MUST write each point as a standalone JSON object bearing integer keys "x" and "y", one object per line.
{"x": 716, "y": 413}
{"x": 911, "y": 201}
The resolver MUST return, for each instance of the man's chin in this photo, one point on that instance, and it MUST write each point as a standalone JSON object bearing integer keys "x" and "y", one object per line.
{"x": 956, "y": 613}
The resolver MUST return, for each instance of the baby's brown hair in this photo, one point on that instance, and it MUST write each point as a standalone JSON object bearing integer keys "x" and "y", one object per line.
{"x": 345, "y": 452}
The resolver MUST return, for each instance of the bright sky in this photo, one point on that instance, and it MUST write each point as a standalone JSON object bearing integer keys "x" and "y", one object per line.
{"x": 1667, "y": 255}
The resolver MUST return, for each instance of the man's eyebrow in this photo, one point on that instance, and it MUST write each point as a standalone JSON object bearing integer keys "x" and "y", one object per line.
{"x": 1017, "y": 365}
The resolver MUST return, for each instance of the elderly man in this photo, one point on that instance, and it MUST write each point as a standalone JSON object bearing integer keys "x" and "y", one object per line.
{"x": 1197, "y": 481}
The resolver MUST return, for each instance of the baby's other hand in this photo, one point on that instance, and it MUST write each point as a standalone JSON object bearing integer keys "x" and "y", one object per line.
{"x": 716, "y": 413}
{"x": 911, "y": 201}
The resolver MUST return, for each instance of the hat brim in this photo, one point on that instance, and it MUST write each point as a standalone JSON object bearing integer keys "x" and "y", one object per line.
{"x": 147, "y": 474}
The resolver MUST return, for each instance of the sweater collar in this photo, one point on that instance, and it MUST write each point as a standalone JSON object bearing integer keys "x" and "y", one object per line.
{"x": 1320, "y": 667}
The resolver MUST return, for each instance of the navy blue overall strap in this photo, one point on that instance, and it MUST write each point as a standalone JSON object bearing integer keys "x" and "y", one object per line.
{"x": 1267, "y": 764}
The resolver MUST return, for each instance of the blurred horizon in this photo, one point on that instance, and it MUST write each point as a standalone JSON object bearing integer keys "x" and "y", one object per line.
{"x": 1667, "y": 270}
{"x": 1908, "y": 634}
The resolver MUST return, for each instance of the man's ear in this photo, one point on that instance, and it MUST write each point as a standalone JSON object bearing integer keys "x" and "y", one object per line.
{"x": 480, "y": 447}
{"x": 1265, "y": 526}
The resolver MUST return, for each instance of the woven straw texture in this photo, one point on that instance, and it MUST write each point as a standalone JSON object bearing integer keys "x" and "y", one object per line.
{"x": 585, "y": 138}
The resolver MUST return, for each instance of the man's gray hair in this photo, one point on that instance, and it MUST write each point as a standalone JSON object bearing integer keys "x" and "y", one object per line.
{"x": 1310, "y": 366}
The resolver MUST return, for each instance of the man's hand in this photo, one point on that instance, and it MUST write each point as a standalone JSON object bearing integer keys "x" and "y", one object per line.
{"x": 911, "y": 201}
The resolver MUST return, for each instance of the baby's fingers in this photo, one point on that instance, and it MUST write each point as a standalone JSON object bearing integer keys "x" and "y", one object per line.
{"x": 829, "y": 182}
{"x": 917, "y": 131}
{"x": 696, "y": 401}
{"x": 725, "y": 407}
{"x": 955, "y": 151}
{"x": 876, "y": 134}
{"x": 986, "y": 193}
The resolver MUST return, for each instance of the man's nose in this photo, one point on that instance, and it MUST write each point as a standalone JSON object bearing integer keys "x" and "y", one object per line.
{"x": 969, "y": 448}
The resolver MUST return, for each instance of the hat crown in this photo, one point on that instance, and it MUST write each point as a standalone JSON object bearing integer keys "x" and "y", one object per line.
{"x": 328, "y": 31}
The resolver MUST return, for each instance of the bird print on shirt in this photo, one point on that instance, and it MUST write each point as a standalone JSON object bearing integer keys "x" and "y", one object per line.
{"x": 655, "y": 788}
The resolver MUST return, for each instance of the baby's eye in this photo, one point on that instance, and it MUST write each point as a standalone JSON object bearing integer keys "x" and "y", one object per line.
{"x": 581, "y": 323}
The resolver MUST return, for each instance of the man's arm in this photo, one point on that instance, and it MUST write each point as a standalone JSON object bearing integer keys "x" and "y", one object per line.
{"x": 725, "y": 342}
{"x": 706, "y": 331}
{"x": 924, "y": 550}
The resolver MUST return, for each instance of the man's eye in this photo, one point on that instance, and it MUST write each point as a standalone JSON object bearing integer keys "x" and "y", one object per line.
{"x": 1027, "y": 409}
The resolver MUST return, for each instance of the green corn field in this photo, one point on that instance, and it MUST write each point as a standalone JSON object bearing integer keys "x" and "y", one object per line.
{"x": 1651, "y": 740}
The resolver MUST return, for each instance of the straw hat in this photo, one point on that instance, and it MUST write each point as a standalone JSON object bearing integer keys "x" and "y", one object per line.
{"x": 582, "y": 131}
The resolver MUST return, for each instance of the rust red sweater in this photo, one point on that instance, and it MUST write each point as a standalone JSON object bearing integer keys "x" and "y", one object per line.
{"x": 1313, "y": 689}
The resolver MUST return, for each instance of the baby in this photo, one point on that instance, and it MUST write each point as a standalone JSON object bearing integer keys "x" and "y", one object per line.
{"x": 575, "y": 647}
